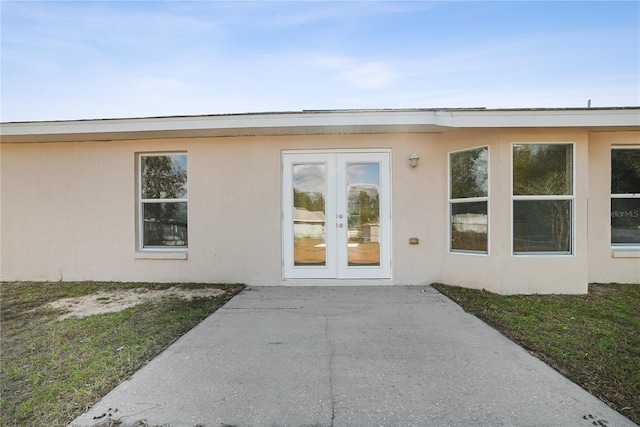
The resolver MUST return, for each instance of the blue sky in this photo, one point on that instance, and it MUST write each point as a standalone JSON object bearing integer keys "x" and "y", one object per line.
{"x": 78, "y": 60}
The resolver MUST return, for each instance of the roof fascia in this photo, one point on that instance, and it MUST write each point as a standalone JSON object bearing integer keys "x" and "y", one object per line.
{"x": 307, "y": 122}
{"x": 589, "y": 118}
{"x": 222, "y": 122}
{"x": 382, "y": 121}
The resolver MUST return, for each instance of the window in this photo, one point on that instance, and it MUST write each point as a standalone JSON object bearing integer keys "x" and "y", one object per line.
{"x": 163, "y": 201}
{"x": 468, "y": 200}
{"x": 625, "y": 197}
{"x": 543, "y": 199}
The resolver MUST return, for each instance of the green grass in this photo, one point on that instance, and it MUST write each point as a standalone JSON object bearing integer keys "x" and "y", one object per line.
{"x": 52, "y": 371}
{"x": 593, "y": 339}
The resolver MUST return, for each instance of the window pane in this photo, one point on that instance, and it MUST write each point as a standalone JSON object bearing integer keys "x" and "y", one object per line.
{"x": 309, "y": 187}
{"x": 541, "y": 226}
{"x": 542, "y": 169}
{"x": 363, "y": 206}
{"x": 469, "y": 226}
{"x": 164, "y": 177}
{"x": 469, "y": 175}
{"x": 625, "y": 221}
{"x": 165, "y": 224}
{"x": 625, "y": 171}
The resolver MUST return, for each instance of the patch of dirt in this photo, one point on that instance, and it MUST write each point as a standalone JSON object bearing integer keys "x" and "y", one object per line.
{"x": 602, "y": 290}
{"x": 113, "y": 301}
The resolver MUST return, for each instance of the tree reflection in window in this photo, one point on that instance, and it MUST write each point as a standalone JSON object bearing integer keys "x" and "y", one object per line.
{"x": 625, "y": 196}
{"x": 164, "y": 200}
{"x": 542, "y": 169}
{"x": 164, "y": 177}
{"x": 542, "y": 198}
{"x": 468, "y": 200}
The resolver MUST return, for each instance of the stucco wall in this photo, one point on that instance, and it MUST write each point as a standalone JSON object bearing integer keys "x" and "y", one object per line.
{"x": 606, "y": 265}
{"x": 69, "y": 209}
{"x": 500, "y": 271}
{"x": 68, "y": 212}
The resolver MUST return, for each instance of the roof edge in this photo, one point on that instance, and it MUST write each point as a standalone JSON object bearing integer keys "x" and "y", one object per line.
{"x": 326, "y": 111}
{"x": 413, "y": 120}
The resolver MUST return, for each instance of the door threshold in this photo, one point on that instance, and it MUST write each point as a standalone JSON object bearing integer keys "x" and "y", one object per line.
{"x": 336, "y": 282}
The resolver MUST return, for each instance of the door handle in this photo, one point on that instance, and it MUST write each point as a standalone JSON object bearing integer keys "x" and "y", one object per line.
{"x": 341, "y": 225}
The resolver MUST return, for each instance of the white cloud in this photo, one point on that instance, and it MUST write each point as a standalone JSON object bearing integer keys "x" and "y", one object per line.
{"x": 361, "y": 73}
{"x": 370, "y": 75}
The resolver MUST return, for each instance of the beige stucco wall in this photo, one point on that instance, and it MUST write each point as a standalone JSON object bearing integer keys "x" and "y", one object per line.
{"x": 606, "y": 265}
{"x": 500, "y": 271}
{"x": 68, "y": 211}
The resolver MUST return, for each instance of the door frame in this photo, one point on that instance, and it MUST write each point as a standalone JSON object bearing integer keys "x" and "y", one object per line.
{"x": 336, "y": 267}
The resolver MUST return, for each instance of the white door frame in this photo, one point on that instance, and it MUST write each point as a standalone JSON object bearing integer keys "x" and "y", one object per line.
{"x": 336, "y": 191}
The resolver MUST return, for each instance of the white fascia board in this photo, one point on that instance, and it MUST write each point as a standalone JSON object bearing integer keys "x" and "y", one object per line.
{"x": 546, "y": 118}
{"x": 290, "y": 123}
{"x": 240, "y": 121}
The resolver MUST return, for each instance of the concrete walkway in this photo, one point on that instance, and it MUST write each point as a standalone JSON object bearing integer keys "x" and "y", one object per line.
{"x": 352, "y": 356}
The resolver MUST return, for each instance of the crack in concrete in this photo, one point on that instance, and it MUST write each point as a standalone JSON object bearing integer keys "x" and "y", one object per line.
{"x": 333, "y": 400}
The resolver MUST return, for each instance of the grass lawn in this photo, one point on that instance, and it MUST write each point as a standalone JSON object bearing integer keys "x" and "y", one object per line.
{"x": 53, "y": 370}
{"x": 593, "y": 339}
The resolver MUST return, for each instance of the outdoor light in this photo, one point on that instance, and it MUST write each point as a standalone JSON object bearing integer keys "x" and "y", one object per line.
{"x": 413, "y": 160}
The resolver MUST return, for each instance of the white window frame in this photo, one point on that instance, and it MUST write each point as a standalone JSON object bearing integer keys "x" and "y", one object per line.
{"x": 469, "y": 200}
{"x": 571, "y": 198}
{"x": 140, "y": 207}
{"x": 622, "y": 247}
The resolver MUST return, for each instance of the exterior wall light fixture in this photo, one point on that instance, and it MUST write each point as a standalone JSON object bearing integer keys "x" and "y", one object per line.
{"x": 413, "y": 160}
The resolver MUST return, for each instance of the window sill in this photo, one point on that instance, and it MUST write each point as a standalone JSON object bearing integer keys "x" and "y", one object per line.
{"x": 542, "y": 254}
{"x": 476, "y": 253}
{"x": 161, "y": 255}
{"x": 625, "y": 253}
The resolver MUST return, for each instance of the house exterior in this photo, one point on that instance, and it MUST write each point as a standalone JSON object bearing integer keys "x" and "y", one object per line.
{"x": 512, "y": 201}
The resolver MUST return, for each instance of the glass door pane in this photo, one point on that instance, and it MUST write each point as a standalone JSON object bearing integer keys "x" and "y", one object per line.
{"x": 363, "y": 210}
{"x": 309, "y": 225}
{"x": 336, "y": 215}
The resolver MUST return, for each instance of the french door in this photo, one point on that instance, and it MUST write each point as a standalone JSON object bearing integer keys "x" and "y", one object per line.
{"x": 336, "y": 215}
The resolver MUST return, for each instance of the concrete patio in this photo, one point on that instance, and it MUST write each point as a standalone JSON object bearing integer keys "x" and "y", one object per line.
{"x": 348, "y": 356}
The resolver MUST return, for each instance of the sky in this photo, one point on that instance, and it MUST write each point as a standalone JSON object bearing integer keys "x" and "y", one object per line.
{"x": 118, "y": 59}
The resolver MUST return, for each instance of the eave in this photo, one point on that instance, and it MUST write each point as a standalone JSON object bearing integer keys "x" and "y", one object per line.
{"x": 317, "y": 123}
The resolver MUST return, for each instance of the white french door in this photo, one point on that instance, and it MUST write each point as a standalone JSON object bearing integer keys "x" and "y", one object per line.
{"x": 336, "y": 215}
